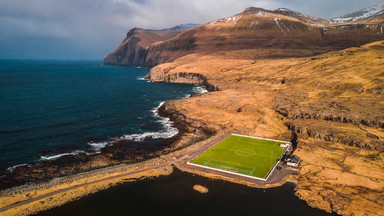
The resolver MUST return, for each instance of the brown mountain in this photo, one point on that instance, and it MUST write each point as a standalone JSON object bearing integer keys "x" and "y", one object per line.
{"x": 282, "y": 32}
{"x": 373, "y": 13}
{"x": 134, "y": 48}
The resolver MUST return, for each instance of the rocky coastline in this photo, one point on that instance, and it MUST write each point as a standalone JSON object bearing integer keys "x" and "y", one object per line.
{"x": 118, "y": 151}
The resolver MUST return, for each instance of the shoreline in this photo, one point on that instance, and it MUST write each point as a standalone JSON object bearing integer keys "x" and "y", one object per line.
{"x": 39, "y": 197}
{"x": 146, "y": 146}
{"x": 35, "y": 197}
{"x": 97, "y": 146}
{"x": 13, "y": 197}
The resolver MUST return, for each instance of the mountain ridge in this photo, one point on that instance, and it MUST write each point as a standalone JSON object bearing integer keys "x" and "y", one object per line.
{"x": 361, "y": 15}
{"x": 254, "y": 28}
{"x": 134, "y": 48}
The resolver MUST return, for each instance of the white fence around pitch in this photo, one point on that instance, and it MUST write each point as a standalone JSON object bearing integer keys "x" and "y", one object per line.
{"x": 270, "y": 173}
{"x": 261, "y": 138}
{"x": 273, "y": 168}
{"x": 247, "y": 176}
{"x": 225, "y": 171}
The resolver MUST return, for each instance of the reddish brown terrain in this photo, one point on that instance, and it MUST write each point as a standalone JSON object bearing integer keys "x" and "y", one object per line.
{"x": 284, "y": 75}
{"x": 275, "y": 74}
{"x": 270, "y": 34}
{"x": 134, "y": 48}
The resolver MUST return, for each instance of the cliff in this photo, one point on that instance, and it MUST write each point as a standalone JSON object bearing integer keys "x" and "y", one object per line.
{"x": 134, "y": 48}
{"x": 270, "y": 34}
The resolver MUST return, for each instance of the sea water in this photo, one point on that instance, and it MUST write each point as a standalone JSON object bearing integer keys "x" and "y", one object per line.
{"x": 53, "y": 108}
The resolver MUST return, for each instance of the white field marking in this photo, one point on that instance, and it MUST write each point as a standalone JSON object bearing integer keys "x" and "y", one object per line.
{"x": 240, "y": 155}
{"x": 272, "y": 141}
{"x": 245, "y": 152}
{"x": 234, "y": 134}
{"x": 275, "y": 144}
{"x": 256, "y": 144}
{"x": 289, "y": 145}
{"x": 210, "y": 148}
{"x": 221, "y": 163}
{"x": 232, "y": 162}
{"x": 233, "y": 173}
{"x": 252, "y": 171}
{"x": 260, "y": 138}
{"x": 276, "y": 163}
{"x": 259, "y": 144}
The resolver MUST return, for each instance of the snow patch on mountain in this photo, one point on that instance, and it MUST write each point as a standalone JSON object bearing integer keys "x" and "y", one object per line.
{"x": 361, "y": 15}
{"x": 314, "y": 21}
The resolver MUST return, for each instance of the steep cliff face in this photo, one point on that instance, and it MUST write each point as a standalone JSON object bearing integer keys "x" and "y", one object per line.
{"x": 134, "y": 48}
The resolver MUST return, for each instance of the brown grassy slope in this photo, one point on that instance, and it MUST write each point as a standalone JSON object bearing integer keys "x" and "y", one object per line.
{"x": 256, "y": 28}
{"x": 333, "y": 103}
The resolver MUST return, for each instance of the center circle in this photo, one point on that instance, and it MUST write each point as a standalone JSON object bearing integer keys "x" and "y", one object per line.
{"x": 245, "y": 152}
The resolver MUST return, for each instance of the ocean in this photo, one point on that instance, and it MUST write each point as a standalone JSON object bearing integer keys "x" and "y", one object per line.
{"x": 53, "y": 108}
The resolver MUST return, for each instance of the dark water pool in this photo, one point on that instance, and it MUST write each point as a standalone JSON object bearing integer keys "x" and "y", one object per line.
{"x": 174, "y": 195}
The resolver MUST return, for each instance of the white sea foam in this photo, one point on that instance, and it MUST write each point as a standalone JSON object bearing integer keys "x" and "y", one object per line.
{"x": 143, "y": 79}
{"x": 199, "y": 89}
{"x": 10, "y": 169}
{"x": 168, "y": 131}
{"x": 54, "y": 157}
{"x": 98, "y": 146}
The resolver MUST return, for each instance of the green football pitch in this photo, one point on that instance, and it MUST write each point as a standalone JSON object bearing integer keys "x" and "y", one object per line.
{"x": 243, "y": 155}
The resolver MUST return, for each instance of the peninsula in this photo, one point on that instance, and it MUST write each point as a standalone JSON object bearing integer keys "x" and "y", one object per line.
{"x": 276, "y": 74}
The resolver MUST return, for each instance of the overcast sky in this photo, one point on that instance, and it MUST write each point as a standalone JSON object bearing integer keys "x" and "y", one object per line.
{"x": 90, "y": 29}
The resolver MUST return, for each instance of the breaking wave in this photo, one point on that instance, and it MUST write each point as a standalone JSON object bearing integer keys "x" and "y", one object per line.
{"x": 96, "y": 147}
{"x": 199, "y": 89}
{"x": 54, "y": 157}
{"x": 168, "y": 131}
{"x": 10, "y": 169}
{"x": 143, "y": 79}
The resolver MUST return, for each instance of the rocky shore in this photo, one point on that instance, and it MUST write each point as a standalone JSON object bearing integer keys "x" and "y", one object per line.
{"x": 105, "y": 173}
{"x": 119, "y": 151}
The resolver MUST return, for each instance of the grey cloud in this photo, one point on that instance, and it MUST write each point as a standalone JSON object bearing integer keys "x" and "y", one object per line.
{"x": 92, "y": 28}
